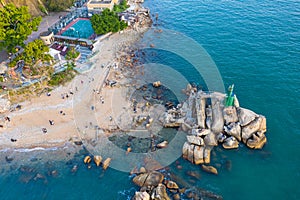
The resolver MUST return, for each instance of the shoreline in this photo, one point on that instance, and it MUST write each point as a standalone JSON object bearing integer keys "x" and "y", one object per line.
{"x": 24, "y": 130}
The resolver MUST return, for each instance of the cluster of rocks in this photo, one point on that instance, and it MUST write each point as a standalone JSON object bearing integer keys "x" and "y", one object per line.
{"x": 209, "y": 123}
{"x": 98, "y": 160}
{"x": 154, "y": 186}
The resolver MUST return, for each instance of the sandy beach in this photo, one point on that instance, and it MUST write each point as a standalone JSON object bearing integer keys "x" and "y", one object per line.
{"x": 75, "y": 108}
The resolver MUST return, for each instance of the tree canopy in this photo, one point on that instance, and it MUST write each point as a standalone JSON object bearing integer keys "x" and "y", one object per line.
{"x": 34, "y": 51}
{"x": 58, "y": 5}
{"x": 16, "y": 25}
{"x": 121, "y": 7}
{"x": 107, "y": 21}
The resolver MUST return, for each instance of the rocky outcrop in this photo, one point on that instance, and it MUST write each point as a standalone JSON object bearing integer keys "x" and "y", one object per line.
{"x": 210, "y": 124}
{"x": 97, "y": 160}
{"x": 160, "y": 193}
{"x": 234, "y": 129}
{"x": 149, "y": 179}
{"x": 217, "y": 116}
{"x": 141, "y": 196}
{"x": 230, "y": 143}
{"x": 230, "y": 115}
{"x": 106, "y": 163}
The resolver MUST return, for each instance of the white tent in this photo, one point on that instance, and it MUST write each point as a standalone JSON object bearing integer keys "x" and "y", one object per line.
{"x": 55, "y": 53}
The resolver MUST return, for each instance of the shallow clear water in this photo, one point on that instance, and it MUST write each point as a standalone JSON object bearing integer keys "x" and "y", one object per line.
{"x": 255, "y": 45}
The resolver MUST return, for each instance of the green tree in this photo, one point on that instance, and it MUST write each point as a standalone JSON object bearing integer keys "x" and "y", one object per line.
{"x": 36, "y": 50}
{"x": 16, "y": 25}
{"x": 107, "y": 21}
{"x": 121, "y": 7}
{"x": 58, "y": 5}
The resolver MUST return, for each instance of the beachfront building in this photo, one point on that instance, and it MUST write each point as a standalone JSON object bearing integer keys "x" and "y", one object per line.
{"x": 95, "y": 6}
{"x": 47, "y": 37}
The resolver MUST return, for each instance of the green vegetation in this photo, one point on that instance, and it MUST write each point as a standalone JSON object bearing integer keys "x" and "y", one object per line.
{"x": 107, "y": 21}
{"x": 72, "y": 54}
{"x": 33, "y": 52}
{"x": 58, "y": 5}
{"x": 64, "y": 76}
{"x": 43, "y": 9}
{"x": 16, "y": 25}
{"x": 121, "y": 7}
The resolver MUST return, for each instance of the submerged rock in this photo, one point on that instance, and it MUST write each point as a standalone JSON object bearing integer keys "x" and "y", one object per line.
{"x": 210, "y": 169}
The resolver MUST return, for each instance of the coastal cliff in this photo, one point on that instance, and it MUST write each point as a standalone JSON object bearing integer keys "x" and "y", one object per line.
{"x": 34, "y": 6}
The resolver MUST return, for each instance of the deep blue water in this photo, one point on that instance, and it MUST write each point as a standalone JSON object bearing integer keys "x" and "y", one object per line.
{"x": 256, "y": 46}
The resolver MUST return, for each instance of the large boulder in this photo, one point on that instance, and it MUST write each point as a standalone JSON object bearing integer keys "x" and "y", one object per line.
{"x": 193, "y": 139}
{"x": 106, "y": 163}
{"x": 211, "y": 139}
{"x": 230, "y": 114}
{"x": 172, "y": 185}
{"x": 160, "y": 193}
{"x": 206, "y": 154}
{"x": 252, "y": 127}
{"x": 200, "y": 109}
{"x": 233, "y": 129}
{"x": 149, "y": 179}
{"x": 230, "y": 143}
{"x": 199, "y": 155}
{"x": 190, "y": 155}
{"x": 210, "y": 169}
{"x": 257, "y": 141}
{"x": 141, "y": 196}
{"x": 217, "y": 116}
{"x": 208, "y": 120}
{"x": 200, "y": 132}
{"x": 97, "y": 160}
{"x": 185, "y": 150}
{"x": 245, "y": 116}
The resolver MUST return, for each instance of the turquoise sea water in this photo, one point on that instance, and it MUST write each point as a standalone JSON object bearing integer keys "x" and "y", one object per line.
{"x": 256, "y": 46}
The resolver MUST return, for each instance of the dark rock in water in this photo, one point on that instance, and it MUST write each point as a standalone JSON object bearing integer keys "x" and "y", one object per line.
{"x": 33, "y": 159}
{"x": 39, "y": 176}
{"x": 228, "y": 165}
{"x": 193, "y": 174}
{"x": 210, "y": 169}
{"x": 78, "y": 142}
{"x": 9, "y": 159}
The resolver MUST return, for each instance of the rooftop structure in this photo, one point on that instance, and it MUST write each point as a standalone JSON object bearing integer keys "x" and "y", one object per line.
{"x": 99, "y": 5}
